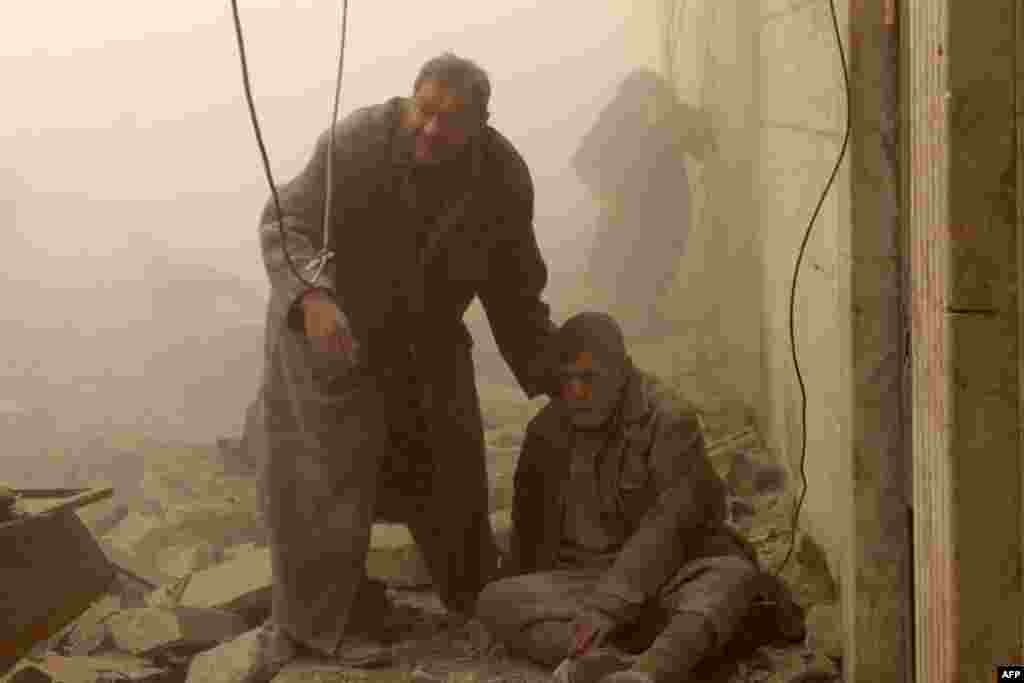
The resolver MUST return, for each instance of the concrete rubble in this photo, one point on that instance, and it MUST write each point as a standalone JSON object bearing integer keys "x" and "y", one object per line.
{"x": 150, "y": 630}
{"x": 194, "y": 577}
{"x": 106, "y": 669}
{"x": 240, "y": 585}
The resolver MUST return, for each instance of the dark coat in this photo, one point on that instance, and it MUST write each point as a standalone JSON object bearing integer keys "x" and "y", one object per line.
{"x": 334, "y": 435}
{"x": 491, "y": 252}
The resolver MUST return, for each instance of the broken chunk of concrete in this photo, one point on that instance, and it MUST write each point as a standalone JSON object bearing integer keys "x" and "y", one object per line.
{"x": 254, "y": 655}
{"x": 394, "y": 559}
{"x": 180, "y": 560}
{"x": 825, "y": 629}
{"x": 236, "y": 551}
{"x": 241, "y": 585}
{"x": 797, "y": 664}
{"x": 149, "y": 630}
{"x": 103, "y": 516}
{"x": 89, "y": 632}
{"x": 137, "y": 571}
{"x": 107, "y": 669}
{"x": 130, "y": 531}
{"x": 753, "y": 473}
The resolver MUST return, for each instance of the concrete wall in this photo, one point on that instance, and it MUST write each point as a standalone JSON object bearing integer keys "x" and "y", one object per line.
{"x": 768, "y": 75}
{"x": 802, "y": 117}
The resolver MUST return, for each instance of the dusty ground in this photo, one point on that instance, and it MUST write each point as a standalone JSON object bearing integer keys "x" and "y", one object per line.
{"x": 191, "y": 511}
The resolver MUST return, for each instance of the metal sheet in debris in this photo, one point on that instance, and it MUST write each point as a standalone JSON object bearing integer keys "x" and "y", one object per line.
{"x": 43, "y": 502}
{"x": 53, "y": 569}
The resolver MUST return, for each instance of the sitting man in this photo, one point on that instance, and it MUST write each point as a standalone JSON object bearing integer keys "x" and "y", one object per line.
{"x": 618, "y": 525}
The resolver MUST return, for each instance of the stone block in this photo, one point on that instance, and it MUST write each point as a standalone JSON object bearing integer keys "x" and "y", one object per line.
{"x": 89, "y": 632}
{"x": 138, "y": 569}
{"x": 180, "y": 560}
{"x": 238, "y": 660}
{"x": 240, "y": 585}
{"x": 150, "y": 630}
{"x": 107, "y": 669}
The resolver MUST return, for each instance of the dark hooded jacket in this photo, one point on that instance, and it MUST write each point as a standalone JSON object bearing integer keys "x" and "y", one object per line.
{"x": 655, "y": 473}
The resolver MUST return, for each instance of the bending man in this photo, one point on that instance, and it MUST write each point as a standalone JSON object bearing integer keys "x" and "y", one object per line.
{"x": 369, "y": 408}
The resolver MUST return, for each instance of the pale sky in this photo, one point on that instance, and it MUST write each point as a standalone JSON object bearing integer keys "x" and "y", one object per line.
{"x": 124, "y": 121}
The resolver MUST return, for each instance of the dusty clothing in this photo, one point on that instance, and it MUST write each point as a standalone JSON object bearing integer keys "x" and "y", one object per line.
{"x": 657, "y": 491}
{"x": 657, "y": 486}
{"x": 399, "y": 435}
{"x": 720, "y": 589}
{"x": 584, "y": 529}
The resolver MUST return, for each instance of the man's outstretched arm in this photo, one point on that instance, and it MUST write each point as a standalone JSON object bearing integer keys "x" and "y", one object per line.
{"x": 512, "y": 294}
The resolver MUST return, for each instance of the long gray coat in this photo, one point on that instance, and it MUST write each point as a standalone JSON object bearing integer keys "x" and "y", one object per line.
{"x": 348, "y": 445}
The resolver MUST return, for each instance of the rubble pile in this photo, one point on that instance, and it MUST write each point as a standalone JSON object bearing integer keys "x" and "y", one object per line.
{"x": 194, "y": 572}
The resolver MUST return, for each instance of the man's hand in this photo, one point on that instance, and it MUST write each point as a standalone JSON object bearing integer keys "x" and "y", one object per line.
{"x": 590, "y": 631}
{"x": 326, "y": 326}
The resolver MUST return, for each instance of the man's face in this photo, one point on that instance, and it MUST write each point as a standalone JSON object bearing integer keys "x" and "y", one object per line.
{"x": 442, "y": 123}
{"x": 590, "y": 389}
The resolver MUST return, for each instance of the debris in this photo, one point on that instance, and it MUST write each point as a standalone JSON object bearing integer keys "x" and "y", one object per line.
{"x": 8, "y": 501}
{"x": 131, "y": 530}
{"x": 180, "y": 560}
{"x": 54, "y": 570}
{"x": 148, "y": 630}
{"x": 739, "y": 509}
{"x": 238, "y": 660}
{"x": 394, "y": 558}
{"x": 236, "y": 551}
{"x": 754, "y": 473}
{"x": 89, "y": 632}
{"x": 825, "y": 629}
{"x": 722, "y": 450}
{"x": 106, "y": 669}
{"x": 139, "y": 569}
{"x": 105, "y": 515}
{"x": 168, "y": 596}
{"x": 241, "y": 585}
{"x": 794, "y": 665}
{"x": 421, "y": 675}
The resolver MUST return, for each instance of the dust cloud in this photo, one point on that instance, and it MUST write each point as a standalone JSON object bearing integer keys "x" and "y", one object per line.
{"x": 132, "y": 279}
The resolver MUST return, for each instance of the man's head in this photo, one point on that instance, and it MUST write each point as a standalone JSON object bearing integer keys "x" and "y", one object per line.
{"x": 448, "y": 107}
{"x": 593, "y": 367}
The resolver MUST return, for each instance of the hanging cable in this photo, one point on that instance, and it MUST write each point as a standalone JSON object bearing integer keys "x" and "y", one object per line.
{"x": 792, "y": 294}
{"x": 325, "y": 254}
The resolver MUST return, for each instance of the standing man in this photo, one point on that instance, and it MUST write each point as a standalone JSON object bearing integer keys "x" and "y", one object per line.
{"x": 369, "y": 408}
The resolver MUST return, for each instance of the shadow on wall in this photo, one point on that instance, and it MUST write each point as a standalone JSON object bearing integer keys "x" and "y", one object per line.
{"x": 634, "y": 161}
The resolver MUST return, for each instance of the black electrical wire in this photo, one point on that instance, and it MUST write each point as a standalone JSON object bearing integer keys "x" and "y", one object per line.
{"x": 792, "y": 294}
{"x": 263, "y": 149}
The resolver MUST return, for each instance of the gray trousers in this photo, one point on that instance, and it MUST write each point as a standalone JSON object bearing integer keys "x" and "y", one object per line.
{"x": 721, "y": 589}
{"x": 340, "y": 453}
